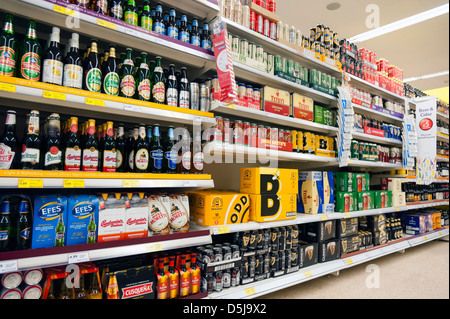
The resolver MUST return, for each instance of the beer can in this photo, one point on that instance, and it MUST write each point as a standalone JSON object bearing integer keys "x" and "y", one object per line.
{"x": 247, "y": 134}
{"x": 235, "y": 276}
{"x": 11, "y": 280}
{"x": 309, "y": 143}
{"x": 204, "y": 98}
{"x": 290, "y": 67}
{"x": 246, "y": 16}
{"x": 287, "y": 136}
{"x": 295, "y": 236}
{"x": 10, "y": 293}
{"x": 274, "y": 261}
{"x": 256, "y": 95}
{"x": 259, "y": 264}
{"x": 274, "y": 134}
{"x": 284, "y": 65}
{"x": 317, "y": 47}
{"x": 268, "y": 133}
{"x": 238, "y": 133}
{"x": 335, "y": 40}
{"x": 243, "y": 47}
{"x": 249, "y": 93}
{"x": 273, "y": 31}
{"x": 207, "y": 283}
{"x": 270, "y": 63}
{"x": 235, "y": 252}
{"x": 305, "y": 42}
{"x": 236, "y": 44}
{"x": 252, "y": 50}
{"x": 313, "y": 76}
{"x": 226, "y": 278}
{"x": 312, "y": 35}
{"x": 195, "y": 96}
{"x": 254, "y": 135}
{"x": 294, "y": 257}
{"x": 32, "y": 292}
{"x": 322, "y": 49}
{"x": 305, "y": 74}
{"x": 259, "y": 239}
{"x": 296, "y": 70}
{"x": 253, "y": 20}
{"x": 242, "y": 91}
{"x": 251, "y": 266}
{"x": 244, "y": 239}
{"x": 281, "y": 135}
{"x": 266, "y": 238}
{"x": 266, "y": 27}
{"x": 33, "y": 277}
{"x": 208, "y": 256}
{"x": 259, "y": 53}
{"x": 259, "y": 23}
{"x": 293, "y": 136}
{"x": 282, "y": 239}
{"x": 288, "y": 237}
{"x": 300, "y": 142}
{"x": 218, "y": 282}
{"x": 227, "y": 131}
{"x": 261, "y": 131}
{"x": 274, "y": 239}
{"x": 218, "y": 254}
{"x": 278, "y": 65}
{"x": 328, "y": 39}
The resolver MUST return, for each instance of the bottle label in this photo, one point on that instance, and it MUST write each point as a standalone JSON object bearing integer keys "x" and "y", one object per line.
{"x": 147, "y": 23}
{"x": 184, "y": 99}
{"x": 157, "y": 157}
{"x": 7, "y": 61}
{"x": 206, "y": 44}
{"x": 103, "y": 5}
{"x": 159, "y": 92}
{"x": 52, "y": 72}
{"x": 128, "y": 86}
{"x": 4, "y": 235}
{"x": 94, "y": 80}
{"x": 141, "y": 159}
{"x": 172, "y": 97}
{"x": 90, "y": 160}
{"x": 72, "y": 160}
{"x": 184, "y": 36}
{"x": 131, "y": 160}
{"x": 31, "y": 66}
{"x": 172, "y": 32}
{"x": 117, "y": 11}
{"x": 73, "y": 76}
{"x": 131, "y": 17}
{"x": 198, "y": 161}
{"x": 144, "y": 89}
{"x": 111, "y": 83}
{"x": 195, "y": 40}
{"x": 53, "y": 156}
{"x": 30, "y": 155}
{"x": 171, "y": 158}
{"x": 109, "y": 160}
{"x": 6, "y": 156}
{"x": 159, "y": 28}
{"x": 186, "y": 160}
{"x": 119, "y": 159}
{"x": 25, "y": 233}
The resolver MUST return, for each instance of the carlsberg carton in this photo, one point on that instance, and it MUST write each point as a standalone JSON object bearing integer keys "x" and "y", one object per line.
{"x": 82, "y": 219}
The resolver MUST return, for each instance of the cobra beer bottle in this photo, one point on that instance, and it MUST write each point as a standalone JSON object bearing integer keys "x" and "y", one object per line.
{"x": 9, "y": 146}
{"x": 159, "y": 88}
{"x": 172, "y": 87}
{"x": 90, "y": 155}
{"x": 141, "y": 153}
{"x": 52, "y": 152}
{"x": 23, "y": 226}
{"x": 156, "y": 151}
{"x": 8, "y": 48}
{"x": 73, "y": 68}
{"x": 92, "y": 72}
{"x": 121, "y": 150}
{"x": 30, "y": 62}
{"x": 52, "y": 65}
{"x": 143, "y": 84}
{"x": 109, "y": 149}
{"x": 170, "y": 154}
{"x": 31, "y": 145}
{"x": 127, "y": 83}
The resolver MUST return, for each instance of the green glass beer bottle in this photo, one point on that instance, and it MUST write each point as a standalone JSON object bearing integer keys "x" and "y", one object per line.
{"x": 30, "y": 62}
{"x": 159, "y": 86}
{"x": 127, "y": 83}
{"x": 91, "y": 230}
{"x": 130, "y": 13}
{"x": 145, "y": 19}
{"x": 8, "y": 48}
{"x": 143, "y": 83}
{"x": 111, "y": 80}
{"x": 92, "y": 73}
{"x": 60, "y": 232}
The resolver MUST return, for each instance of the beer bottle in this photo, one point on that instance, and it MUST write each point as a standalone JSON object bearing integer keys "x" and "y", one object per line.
{"x": 141, "y": 153}
{"x": 149, "y": 134}
{"x": 30, "y": 62}
{"x": 156, "y": 151}
{"x": 9, "y": 146}
{"x": 92, "y": 227}
{"x": 172, "y": 87}
{"x": 94, "y": 291}
{"x": 184, "y": 93}
{"x": 31, "y": 145}
{"x": 185, "y": 278}
{"x": 127, "y": 83}
{"x": 80, "y": 292}
{"x": 172, "y": 28}
{"x": 52, "y": 152}
{"x": 184, "y": 153}
{"x": 165, "y": 23}
{"x": 130, "y": 13}
{"x": 197, "y": 153}
{"x": 8, "y": 48}
{"x": 121, "y": 150}
{"x": 162, "y": 287}
{"x": 174, "y": 278}
{"x": 60, "y": 232}
{"x": 170, "y": 154}
{"x": 116, "y": 9}
{"x": 145, "y": 19}
{"x": 205, "y": 39}
{"x": 123, "y": 55}
{"x": 52, "y": 65}
{"x": 113, "y": 288}
{"x": 143, "y": 80}
{"x": 23, "y": 226}
{"x": 109, "y": 150}
{"x": 5, "y": 226}
{"x": 92, "y": 73}
{"x": 90, "y": 157}
{"x": 159, "y": 90}
{"x": 195, "y": 275}
{"x": 82, "y": 3}
{"x": 100, "y": 138}
{"x": 64, "y": 292}
{"x": 72, "y": 151}
{"x": 73, "y": 68}
{"x": 195, "y": 36}
{"x": 131, "y": 144}
{"x": 183, "y": 34}
{"x": 51, "y": 290}
{"x": 100, "y": 6}
{"x": 158, "y": 23}
{"x": 137, "y": 64}
{"x": 111, "y": 80}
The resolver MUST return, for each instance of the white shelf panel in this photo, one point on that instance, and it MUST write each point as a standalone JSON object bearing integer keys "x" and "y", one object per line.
{"x": 374, "y": 166}
{"x": 373, "y": 113}
{"x": 375, "y": 139}
{"x": 375, "y": 90}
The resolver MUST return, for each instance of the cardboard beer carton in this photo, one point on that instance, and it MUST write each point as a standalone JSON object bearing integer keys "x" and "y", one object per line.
{"x": 415, "y": 224}
{"x": 319, "y": 231}
{"x": 308, "y": 254}
{"x": 269, "y": 208}
{"x": 178, "y": 211}
{"x": 136, "y": 283}
{"x": 346, "y": 202}
{"x": 158, "y": 216}
{"x": 265, "y": 180}
{"x": 136, "y": 216}
{"x": 112, "y": 216}
{"x": 49, "y": 221}
{"x": 350, "y": 244}
{"x": 347, "y": 227}
{"x": 329, "y": 250}
{"x": 82, "y": 219}
{"x": 316, "y": 193}
{"x": 302, "y": 107}
{"x": 275, "y": 101}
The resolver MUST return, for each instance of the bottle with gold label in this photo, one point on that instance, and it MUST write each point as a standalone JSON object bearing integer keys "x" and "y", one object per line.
{"x": 127, "y": 82}
{"x": 80, "y": 291}
{"x": 195, "y": 275}
{"x": 92, "y": 73}
{"x": 185, "y": 278}
{"x": 64, "y": 291}
{"x": 174, "y": 279}
{"x": 113, "y": 288}
{"x": 52, "y": 66}
{"x": 143, "y": 84}
{"x": 159, "y": 83}
{"x": 111, "y": 79}
{"x": 73, "y": 68}
{"x": 162, "y": 287}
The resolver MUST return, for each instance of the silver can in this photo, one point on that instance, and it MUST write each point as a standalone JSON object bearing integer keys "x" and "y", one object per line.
{"x": 204, "y": 98}
{"x": 195, "y": 96}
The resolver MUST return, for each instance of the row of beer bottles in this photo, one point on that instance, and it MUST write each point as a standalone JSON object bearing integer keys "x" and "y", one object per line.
{"x": 15, "y": 224}
{"x": 100, "y": 148}
{"x": 85, "y": 287}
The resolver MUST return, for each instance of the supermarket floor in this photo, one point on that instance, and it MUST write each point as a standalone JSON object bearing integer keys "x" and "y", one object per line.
{"x": 422, "y": 272}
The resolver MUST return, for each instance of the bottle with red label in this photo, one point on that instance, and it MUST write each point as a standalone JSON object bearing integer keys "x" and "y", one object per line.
{"x": 30, "y": 63}
{"x": 127, "y": 82}
{"x": 109, "y": 149}
{"x": 162, "y": 286}
{"x": 185, "y": 278}
{"x": 72, "y": 152}
{"x": 143, "y": 84}
{"x": 90, "y": 156}
{"x": 52, "y": 154}
{"x": 159, "y": 87}
{"x": 195, "y": 275}
{"x": 8, "y": 48}
{"x": 174, "y": 279}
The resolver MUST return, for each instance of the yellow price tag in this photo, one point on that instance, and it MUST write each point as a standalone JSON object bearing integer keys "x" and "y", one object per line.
{"x": 154, "y": 247}
{"x": 231, "y": 106}
{"x": 73, "y": 183}
{"x": 250, "y": 291}
{"x": 347, "y": 215}
{"x": 223, "y": 230}
{"x": 54, "y": 95}
{"x": 6, "y": 87}
{"x": 63, "y": 10}
{"x": 131, "y": 183}
{"x": 323, "y": 217}
{"x": 31, "y": 183}
{"x": 425, "y": 237}
{"x": 349, "y": 261}
{"x": 106, "y": 24}
{"x": 95, "y": 102}
{"x": 307, "y": 274}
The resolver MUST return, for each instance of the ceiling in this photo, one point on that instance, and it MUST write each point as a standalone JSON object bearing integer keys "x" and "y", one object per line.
{"x": 419, "y": 50}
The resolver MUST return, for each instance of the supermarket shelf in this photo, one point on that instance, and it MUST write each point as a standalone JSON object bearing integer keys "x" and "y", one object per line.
{"x": 92, "y": 24}
{"x": 427, "y": 204}
{"x": 442, "y": 137}
{"x": 13, "y": 179}
{"x": 374, "y": 166}
{"x": 264, "y": 287}
{"x": 203, "y": 9}
{"x": 46, "y": 257}
{"x": 251, "y": 74}
{"x": 386, "y": 117}
{"x": 375, "y": 139}
{"x": 27, "y": 94}
{"x": 442, "y": 158}
{"x": 258, "y": 115}
{"x": 442, "y": 116}
{"x": 412, "y": 178}
{"x": 277, "y": 48}
{"x": 374, "y": 89}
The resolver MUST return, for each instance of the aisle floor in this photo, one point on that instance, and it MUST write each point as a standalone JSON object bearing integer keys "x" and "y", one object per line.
{"x": 422, "y": 272}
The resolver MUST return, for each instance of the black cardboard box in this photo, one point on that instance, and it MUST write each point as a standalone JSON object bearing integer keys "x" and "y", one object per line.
{"x": 318, "y": 232}
{"x": 379, "y": 237}
{"x": 329, "y": 250}
{"x": 374, "y": 223}
{"x": 308, "y": 254}
{"x": 347, "y": 227}
{"x": 350, "y": 244}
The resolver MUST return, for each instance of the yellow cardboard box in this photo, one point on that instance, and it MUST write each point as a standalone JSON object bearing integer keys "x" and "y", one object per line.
{"x": 265, "y": 180}
{"x": 270, "y": 208}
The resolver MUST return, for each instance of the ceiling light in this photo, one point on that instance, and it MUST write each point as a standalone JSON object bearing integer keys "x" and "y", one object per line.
{"x": 333, "y": 6}
{"x": 430, "y": 14}
{"x": 424, "y": 77}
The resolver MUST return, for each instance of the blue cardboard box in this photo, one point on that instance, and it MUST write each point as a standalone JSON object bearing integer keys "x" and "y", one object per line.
{"x": 82, "y": 219}
{"x": 415, "y": 224}
{"x": 49, "y": 221}
{"x": 316, "y": 193}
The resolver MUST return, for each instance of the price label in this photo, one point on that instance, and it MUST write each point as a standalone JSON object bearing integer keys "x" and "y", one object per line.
{"x": 307, "y": 274}
{"x": 54, "y": 95}
{"x": 349, "y": 261}
{"x": 73, "y": 183}
{"x": 323, "y": 217}
{"x": 132, "y": 108}
{"x": 425, "y": 237}
{"x": 131, "y": 183}
{"x": 8, "y": 266}
{"x": 154, "y": 247}
{"x": 95, "y": 102}
{"x": 106, "y": 24}
{"x": 31, "y": 183}
{"x": 347, "y": 215}
{"x": 63, "y": 10}
{"x": 5, "y": 87}
{"x": 250, "y": 291}
{"x": 231, "y": 106}
{"x": 223, "y": 230}
{"x": 74, "y": 258}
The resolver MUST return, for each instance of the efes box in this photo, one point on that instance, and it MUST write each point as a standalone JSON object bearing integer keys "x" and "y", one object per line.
{"x": 302, "y": 107}
{"x": 316, "y": 193}
{"x": 269, "y": 208}
{"x": 49, "y": 221}
{"x": 265, "y": 180}
{"x": 82, "y": 219}
{"x": 276, "y": 101}
{"x": 212, "y": 208}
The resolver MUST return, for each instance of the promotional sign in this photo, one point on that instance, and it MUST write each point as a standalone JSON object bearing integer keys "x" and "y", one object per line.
{"x": 426, "y": 139}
